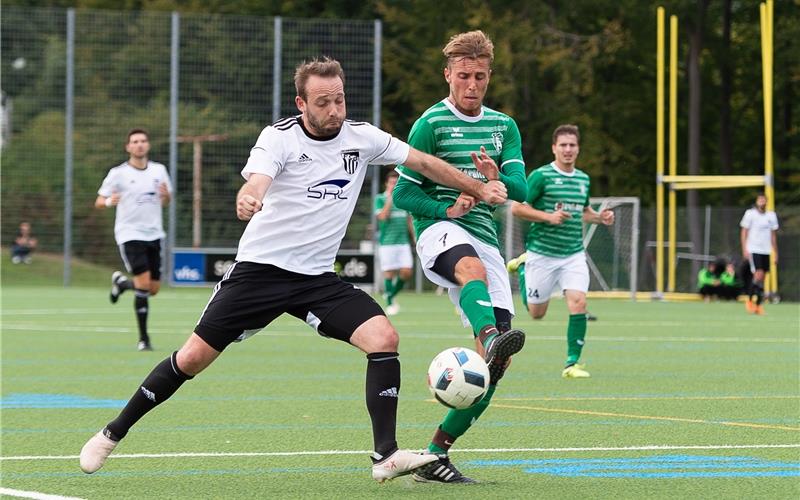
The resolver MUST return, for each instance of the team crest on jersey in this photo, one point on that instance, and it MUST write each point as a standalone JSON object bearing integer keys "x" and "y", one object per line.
{"x": 497, "y": 141}
{"x": 350, "y": 160}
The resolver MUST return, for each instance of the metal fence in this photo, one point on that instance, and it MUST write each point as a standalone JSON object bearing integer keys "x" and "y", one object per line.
{"x": 75, "y": 81}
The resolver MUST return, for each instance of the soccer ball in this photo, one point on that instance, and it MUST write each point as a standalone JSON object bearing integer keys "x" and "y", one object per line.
{"x": 458, "y": 377}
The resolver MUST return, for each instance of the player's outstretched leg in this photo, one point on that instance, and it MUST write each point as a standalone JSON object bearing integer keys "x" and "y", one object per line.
{"x": 400, "y": 463}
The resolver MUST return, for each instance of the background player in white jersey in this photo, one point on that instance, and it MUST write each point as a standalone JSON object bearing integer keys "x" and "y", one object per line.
{"x": 303, "y": 176}
{"x": 394, "y": 252}
{"x": 456, "y": 236}
{"x": 759, "y": 237}
{"x": 557, "y": 204}
{"x": 138, "y": 188}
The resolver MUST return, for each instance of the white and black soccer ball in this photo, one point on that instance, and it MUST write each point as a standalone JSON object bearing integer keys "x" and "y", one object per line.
{"x": 458, "y": 377}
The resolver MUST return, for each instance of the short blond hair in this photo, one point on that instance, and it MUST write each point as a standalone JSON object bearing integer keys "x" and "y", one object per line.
{"x": 326, "y": 67}
{"x": 470, "y": 45}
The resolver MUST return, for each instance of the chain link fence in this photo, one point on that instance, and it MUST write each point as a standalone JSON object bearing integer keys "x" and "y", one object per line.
{"x": 234, "y": 75}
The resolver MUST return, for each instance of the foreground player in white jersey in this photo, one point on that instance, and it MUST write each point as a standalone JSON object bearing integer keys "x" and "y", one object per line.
{"x": 138, "y": 188}
{"x": 759, "y": 237}
{"x": 303, "y": 177}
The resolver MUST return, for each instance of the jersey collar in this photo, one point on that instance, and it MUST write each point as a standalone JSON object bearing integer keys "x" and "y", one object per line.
{"x": 568, "y": 174}
{"x": 316, "y": 137}
{"x": 460, "y": 115}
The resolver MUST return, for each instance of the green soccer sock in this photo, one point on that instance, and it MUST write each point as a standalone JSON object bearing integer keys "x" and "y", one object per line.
{"x": 457, "y": 422}
{"x": 523, "y": 289}
{"x": 397, "y": 285}
{"x": 388, "y": 287}
{"x": 576, "y": 332}
{"x": 477, "y": 305}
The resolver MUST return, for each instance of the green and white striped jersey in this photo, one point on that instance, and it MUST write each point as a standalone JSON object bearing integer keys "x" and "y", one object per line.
{"x": 549, "y": 189}
{"x": 394, "y": 230}
{"x": 445, "y": 132}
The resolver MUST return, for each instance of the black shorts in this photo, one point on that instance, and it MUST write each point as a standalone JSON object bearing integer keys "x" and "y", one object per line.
{"x": 759, "y": 261}
{"x": 250, "y": 296}
{"x": 142, "y": 256}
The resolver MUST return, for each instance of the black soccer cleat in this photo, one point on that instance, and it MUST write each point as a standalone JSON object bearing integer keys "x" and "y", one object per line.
{"x": 502, "y": 347}
{"x": 590, "y": 316}
{"x": 441, "y": 471}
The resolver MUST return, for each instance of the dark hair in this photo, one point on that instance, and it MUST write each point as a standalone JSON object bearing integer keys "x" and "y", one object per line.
{"x": 566, "y": 129}
{"x": 137, "y": 131}
{"x": 325, "y": 67}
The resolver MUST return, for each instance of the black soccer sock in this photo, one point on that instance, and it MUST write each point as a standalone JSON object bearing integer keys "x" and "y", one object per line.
{"x": 503, "y": 319}
{"x": 383, "y": 388}
{"x": 140, "y": 305}
{"x": 159, "y": 385}
{"x": 758, "y": 291}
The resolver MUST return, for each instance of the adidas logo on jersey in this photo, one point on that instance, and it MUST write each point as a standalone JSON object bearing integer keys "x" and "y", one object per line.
{"x": 304, "y": 158}
{"x": 391, "y": 392}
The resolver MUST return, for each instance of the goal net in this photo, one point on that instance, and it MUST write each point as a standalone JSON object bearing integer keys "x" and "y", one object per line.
{"x": 612, "y": 252}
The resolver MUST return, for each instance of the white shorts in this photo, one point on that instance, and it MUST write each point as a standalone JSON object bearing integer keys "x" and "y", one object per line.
{"x": 443, "y": 236}
{"x": 394, "y": 257}
{"x": 543, "y": 274}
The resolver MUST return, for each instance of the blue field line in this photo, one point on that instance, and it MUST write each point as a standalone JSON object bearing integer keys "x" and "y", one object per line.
{"x": 659, "y": 466}
{"x": 59, "y": 401}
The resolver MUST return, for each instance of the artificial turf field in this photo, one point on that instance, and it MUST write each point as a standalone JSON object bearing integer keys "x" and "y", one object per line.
{"x": 686, "y": 400}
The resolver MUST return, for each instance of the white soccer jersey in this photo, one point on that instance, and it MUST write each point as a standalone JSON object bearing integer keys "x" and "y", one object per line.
{"x": 315, "y": 186}
{"x": 759, "y": 230}
{"x": 139, "y": 211}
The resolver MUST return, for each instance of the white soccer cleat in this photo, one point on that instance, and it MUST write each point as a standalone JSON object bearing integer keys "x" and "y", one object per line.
{"x": 95, "y": 452}
{"x": 392, "y": 309}
{"x": 400, "y": 463}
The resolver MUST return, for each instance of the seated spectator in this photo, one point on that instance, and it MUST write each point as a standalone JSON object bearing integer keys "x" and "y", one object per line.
{"x": 730, "y": 287}
{"x": 708, "y": 281}
{"x": 24, "y": 244}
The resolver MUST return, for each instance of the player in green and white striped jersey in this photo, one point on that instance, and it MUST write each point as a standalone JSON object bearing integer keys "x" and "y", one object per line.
{"x": 557, "y": 206}
{"x": 394, "y": 252}
{"x": 456, "y": 237}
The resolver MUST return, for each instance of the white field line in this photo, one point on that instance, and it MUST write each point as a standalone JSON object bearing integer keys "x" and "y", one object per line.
{"x": 34, "y": 494}
{"x": 530, "y": 338}
{"x": 361, "y": 452}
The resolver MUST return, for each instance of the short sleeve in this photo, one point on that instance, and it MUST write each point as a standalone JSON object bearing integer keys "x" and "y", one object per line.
{"x": 745, "y": 222}
{"x": 388, "y": 150}
{"x": 267, "y": 156}
{"x": 773, "y": 221}
{"x": 167, "y": 180}
{"x": 107, "y": 188}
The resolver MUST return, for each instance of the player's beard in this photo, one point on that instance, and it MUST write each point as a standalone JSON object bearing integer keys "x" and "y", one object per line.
{"x": 331, "y": 127}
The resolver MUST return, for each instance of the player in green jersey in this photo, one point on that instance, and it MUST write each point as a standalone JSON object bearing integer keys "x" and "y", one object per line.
{"x": 456, "y": 237}
{"x": 394, "y": 253}
{"x": 557, "y": 206}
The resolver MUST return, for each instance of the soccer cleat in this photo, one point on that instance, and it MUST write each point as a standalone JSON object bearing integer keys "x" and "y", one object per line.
{"x": 575, "y": 371}
{"x": 116, "y": 277}
{"x": 502, "y": 346}
{"x": 392, "y": 309}
{"x": 144, "y": 345}
{"x": 514, "y": 263}
{"x": 590, "y": 316}
{"x": 399, "y": 463}
{"x": 440, "y": 471}
{"x": 95, "y": 452}
{"x": 759, "y": 310}
{"x": 750, "y": 306}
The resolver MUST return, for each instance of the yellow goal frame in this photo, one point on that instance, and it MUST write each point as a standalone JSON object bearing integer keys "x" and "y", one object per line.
{"x": 682, "y": 182}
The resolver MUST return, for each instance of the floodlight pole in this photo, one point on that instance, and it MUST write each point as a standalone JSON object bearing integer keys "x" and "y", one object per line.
{"x": 197, "y": 181}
